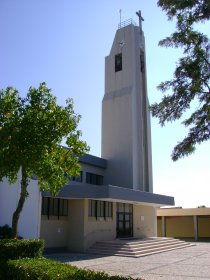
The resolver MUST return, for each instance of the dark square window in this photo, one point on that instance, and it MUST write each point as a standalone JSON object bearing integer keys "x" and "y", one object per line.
{"x": 118, "y": 62}
{"x": 54, "y": 207}
{"x": 94, "y": 179}
{"x": 100, "y": 209}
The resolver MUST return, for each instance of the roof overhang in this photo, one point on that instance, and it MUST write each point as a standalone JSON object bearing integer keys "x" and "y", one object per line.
{"x": 93, "y": 160}
{"x": 111, "y": 193}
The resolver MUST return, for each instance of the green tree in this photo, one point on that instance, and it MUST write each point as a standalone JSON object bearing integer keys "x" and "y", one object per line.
{"x": 191, "y": 80}
{"x": 31, "y": 133}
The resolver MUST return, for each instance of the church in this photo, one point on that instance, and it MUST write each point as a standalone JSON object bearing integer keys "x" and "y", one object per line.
{"x": 113, "y": 196}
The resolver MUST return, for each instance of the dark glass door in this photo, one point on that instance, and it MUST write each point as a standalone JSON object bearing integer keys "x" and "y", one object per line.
{"x": 124, "y": 220}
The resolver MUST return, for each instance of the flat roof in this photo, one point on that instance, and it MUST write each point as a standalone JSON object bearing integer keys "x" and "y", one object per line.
{"x": 112, "y": 193}
{"x": 169, "y": 212}
{"x": 93, "y": 160}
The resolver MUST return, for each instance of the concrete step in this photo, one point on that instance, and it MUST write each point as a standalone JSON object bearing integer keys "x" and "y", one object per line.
{"x": 142, "y": 254}
{"x": 137, "y": 248}
{"x": 140, "y": 244}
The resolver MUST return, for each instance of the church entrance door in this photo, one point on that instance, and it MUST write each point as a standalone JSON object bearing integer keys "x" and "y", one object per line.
{"x": 124, "y": 220}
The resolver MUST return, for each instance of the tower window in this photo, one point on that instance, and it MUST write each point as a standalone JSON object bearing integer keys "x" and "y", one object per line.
{"x": 142, "y": 62}
{"x": 118, "y": 62}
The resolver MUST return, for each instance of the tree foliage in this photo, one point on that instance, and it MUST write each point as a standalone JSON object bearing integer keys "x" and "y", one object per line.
{"x": 31, "y": 133}
{"x": 191, "y": 80}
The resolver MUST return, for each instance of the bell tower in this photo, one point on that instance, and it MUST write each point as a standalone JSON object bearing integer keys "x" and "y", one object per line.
{"x": 126, "y": 133}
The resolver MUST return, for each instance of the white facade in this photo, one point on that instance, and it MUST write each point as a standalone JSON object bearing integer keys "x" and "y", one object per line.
{"x": 126, "y": 137}
{"x": 119, "y": 184}
{"x": 29, "y": 222}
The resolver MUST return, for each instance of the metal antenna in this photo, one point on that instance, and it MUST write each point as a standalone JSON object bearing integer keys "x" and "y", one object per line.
{"x": 120, "y": 16}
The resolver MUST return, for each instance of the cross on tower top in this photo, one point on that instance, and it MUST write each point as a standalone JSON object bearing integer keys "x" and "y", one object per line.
{"x": 140, "y": 19}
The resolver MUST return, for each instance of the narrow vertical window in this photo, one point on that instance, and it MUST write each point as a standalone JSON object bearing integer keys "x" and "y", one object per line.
{"x": 142, "y": 62}
{"x": 108, "y": 209}
{"x": 92, "y": 208}
{"x": 118, "y": 62}
{"x": 100, "y": 209}
{"x": 44, "y": 205}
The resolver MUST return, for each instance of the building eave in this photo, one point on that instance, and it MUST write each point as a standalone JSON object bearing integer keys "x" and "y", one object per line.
{"x": 93, "y": 160}
{"x": 112, "y": 193}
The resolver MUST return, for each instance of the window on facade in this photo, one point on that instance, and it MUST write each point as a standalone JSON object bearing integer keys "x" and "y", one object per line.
{"x": 94, "y": 179}
{"x": 77, "y": 179}
{"x": 118, "y": 62}
{"x": 92, "y": 208}
{"x": 108, "y": 209}
{"x": 124, "y": 207}
{"x": 54, "y": 207}
{"x": 45, "y": 205}
{"x": 142, "y": 62}
{"x": 63, "y": 207}
{"x": 101, "y": 209}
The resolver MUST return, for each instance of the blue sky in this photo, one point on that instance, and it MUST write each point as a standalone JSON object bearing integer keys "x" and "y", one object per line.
{"x": 64, "y": 44}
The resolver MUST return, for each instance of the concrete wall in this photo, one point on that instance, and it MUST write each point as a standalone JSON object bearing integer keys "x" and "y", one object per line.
{"x": 100, "y": 229}
{"x": 66, "y": 231}
{"x": 126, "y": 135}
{"x": 78, "y": 232}
{"x": 54, "y": 231}
{"x": 117, "y": 146}
{"x": 91, "y": 169}
{"x": 76, "y": 225}
{"x": 30, "y": 217}
{"x": 8, "y": 201}
{"x": 145, "y": 221}
{"x": 144, "y": 224}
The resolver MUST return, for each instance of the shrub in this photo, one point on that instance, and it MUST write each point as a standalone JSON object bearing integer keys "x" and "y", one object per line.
{"x": 11, "y": 249}
{"x": 45, "y": 269}
{"x": 20, "y": 248}
{"x": 5, "y": 232}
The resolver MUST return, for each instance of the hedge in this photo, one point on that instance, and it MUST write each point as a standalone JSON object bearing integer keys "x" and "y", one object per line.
{"x": 45, "y": 269}
{"x": 5, "y": 232}
{"x": 20, "y": 248}
{"x": 11, "y": 249}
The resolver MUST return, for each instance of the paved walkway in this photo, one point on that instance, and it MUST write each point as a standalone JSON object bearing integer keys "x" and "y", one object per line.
{"x": 190, "y": 263}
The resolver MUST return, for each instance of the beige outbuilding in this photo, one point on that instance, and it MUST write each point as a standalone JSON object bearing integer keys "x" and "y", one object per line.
{"x": 193, "y": 223}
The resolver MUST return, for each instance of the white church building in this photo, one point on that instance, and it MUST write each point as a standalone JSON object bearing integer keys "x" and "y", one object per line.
{"x": 113, "y": 197}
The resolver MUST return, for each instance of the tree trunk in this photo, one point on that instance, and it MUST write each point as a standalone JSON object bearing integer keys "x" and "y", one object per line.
{"x": 23, "y": 196}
